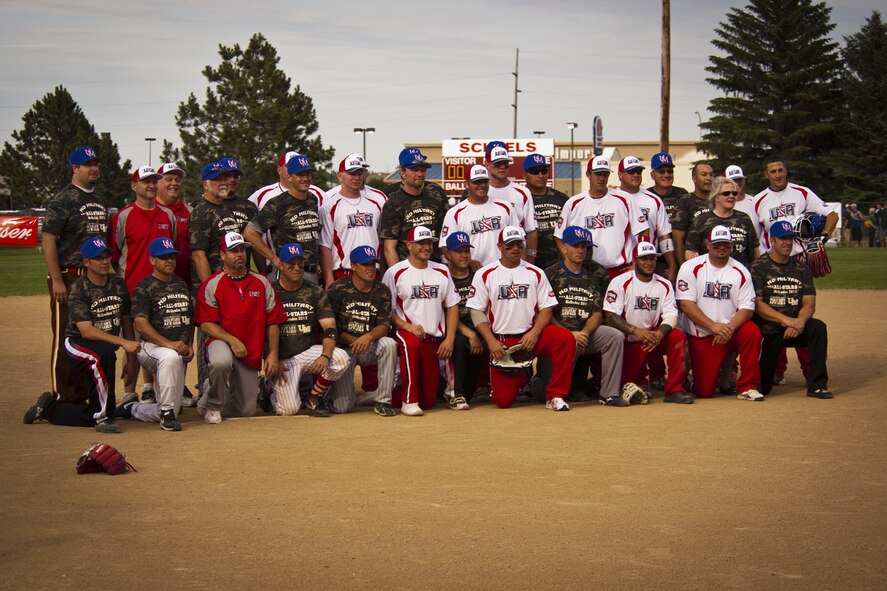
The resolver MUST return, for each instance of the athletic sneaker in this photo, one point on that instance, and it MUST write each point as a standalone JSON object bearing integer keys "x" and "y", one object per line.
{"x": 458, "y": 403}
{"x": 820, "y": 393}
{"x": 124, "y": 409}
{"x": 753, "y": 395}
{"x": 148, "y": 394}
{"x": 212, "y": 417}
{"x": 412, "y": 410}
{"x": 779, "y": 379}
{"x": 107, "y": 426}
{"x": 383, "y": 409}
{"x": 613, "y": 401}
{"x": 319, "y": 406}
{"x": 657, "y": 384}
{"x": 188, "y": 399}
{"x": 35, "y": 413}
{"x": 557, "y": 404}
{"x": 679, "y": 397}
{"x": 168, "y": 421}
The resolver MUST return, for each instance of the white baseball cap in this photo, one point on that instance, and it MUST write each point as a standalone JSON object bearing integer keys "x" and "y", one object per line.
{"x": 145, "y": 172}
{"x": 630, "y": 163}
{"x": 720, "y": 234}
{"x": 420, "y": 233}
{"x": 498, "y": 153}
{"x": 511, "y": 234}
{"x": 171, "y": 167}
{"x": 597, "y": 164}
{"x": 478, "y": 173}
{"x": 230, "y": 240}
{"x": 733, "y": 172}
{"x": 644, "y": 249}
{"x": 285, "y": 157}
{"x": 353, "y": 162}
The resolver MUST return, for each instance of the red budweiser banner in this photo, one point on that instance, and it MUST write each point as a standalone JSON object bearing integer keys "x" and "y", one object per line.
{"x": 18, "y": 230}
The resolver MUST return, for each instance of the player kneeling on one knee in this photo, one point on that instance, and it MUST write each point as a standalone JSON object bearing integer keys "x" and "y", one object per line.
{"x": 511, "y": 302}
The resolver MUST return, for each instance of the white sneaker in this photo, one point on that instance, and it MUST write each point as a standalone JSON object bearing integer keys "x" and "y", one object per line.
{"x": 751, "y": 395}
{"x": 458, "y": 403}
{"x": 557, "y": 404}
{"x": 412, "y": 410}
{"x": 213, "y": 417}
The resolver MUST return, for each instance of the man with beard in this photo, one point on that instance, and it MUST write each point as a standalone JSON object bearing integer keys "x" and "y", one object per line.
{"x": 547, "y": 205}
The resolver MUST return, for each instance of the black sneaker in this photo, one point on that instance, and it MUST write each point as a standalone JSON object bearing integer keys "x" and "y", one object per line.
{"x": 149, "y": 395}
{"x": 657, "y": 384}
{"x": 124, "y": 409}
{"x": 679, "y": 397}
{"x": 265, "y": 395}
{"x": 107, "y": 426}
{"x": 613, "y": 401}
{"x": 35, "y": 413}
{"x": 188, "y": 399}
{"x": 820, "y": 393}
{"x": 319, "y": 406}
{"x": 168, "y": 421}
{"x": 383, "y": 409}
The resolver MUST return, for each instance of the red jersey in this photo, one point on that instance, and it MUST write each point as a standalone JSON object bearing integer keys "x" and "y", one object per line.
{"x": 182, "y": 211}
{"x": 132, "y": 231}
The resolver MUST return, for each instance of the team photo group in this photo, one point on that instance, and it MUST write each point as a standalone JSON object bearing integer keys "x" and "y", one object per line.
{"x": 515, "y": 292}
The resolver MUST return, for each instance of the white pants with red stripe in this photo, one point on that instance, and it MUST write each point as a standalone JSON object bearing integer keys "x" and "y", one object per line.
{"x": 285, "y": 395}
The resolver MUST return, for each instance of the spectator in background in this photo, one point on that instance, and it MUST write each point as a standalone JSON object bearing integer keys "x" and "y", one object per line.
{"x": 856, "y": 219}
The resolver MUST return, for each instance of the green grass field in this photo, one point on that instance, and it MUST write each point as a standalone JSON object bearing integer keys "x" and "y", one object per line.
{"x": 22, "y": 271}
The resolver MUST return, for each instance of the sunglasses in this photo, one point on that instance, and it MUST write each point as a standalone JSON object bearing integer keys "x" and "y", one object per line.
{"x": 538, "y": 170}
{"x": 633, "y": 171}
{"x": 726, "y": 193}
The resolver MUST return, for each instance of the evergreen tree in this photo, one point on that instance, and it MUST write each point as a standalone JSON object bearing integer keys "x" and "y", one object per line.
{"x": 36, "y": 166}
{"x": 779, "y": 72}
{"x": 862, "y": 160}
{"x": 252, "y": 113}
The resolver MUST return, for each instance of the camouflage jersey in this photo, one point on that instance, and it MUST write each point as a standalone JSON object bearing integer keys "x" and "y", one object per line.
{"x": 599, "y": 275}
{"x": 578, "y": 296}
{"x": 781, "y": 287}
{"x": 290, "y": 219}
{"x": 403, "y": 212}
{"x": 357, "y": 313}
{"x": 73, "y": 215}
{"x": 166, "y": 305}
{"x": 745, "y": 240}
{"x": 670, "y": 201}
{"x": 303, "y": 307}
{"x": 103, "y": 305}
{"x": 688, "y": 208}
{"x": 206, "y": 226}
{"x": 548, "y": 209}
{"x": 463, "y": 286}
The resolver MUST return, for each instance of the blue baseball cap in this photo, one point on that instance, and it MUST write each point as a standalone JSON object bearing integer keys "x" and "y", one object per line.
{"x": 161, "y": 246}
{"x": 576, "y": 234}
{"x": 211, "y": 171}
{"x": 93, "y": 247}
{"x": 412, "y": 157}
{"x": 230, "y": 165}
{"x": 781, "y": 229}
{"x": 290, "y": 251}
{"x": 82, "y": 155}
{"x": 661, "y": 159}
{"x": 297, "y": 164}
{"x": 534, "y": 161}
{"x": 363, "y": 255}
{"x": 458, "y": 240}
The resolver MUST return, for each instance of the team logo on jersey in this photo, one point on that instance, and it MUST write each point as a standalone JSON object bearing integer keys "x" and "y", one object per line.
{"x": 360, "y": 220}
{"x": 445, "y": 230}
{"x": 163, "y": 226}
{"x": 717, "y": 291}
{"x": 486, "y": 225}
{"x": 471, "y": 292}
{"x": 599, "y": 221}
{"x": 515, "y": 291}
{"x": 425, "y": 292}
{"x": 611, "y": 296}
{"x": 783, "y": 210}
{"x": 682, "y": 285}
{"x": 646, "y": 212}
{"x": 254, "y": 293}
{"x": 646, "y": 303}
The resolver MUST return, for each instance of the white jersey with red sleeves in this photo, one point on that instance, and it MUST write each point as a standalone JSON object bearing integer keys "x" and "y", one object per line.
{"x": 422, "y": 296}
{"x": 510, "y": 298}
{"x": 642, "y": 303}
{"x": 346, "y": 223}
{"x": 747, "y": 206}
{"x": 482, "y": 222}
{"x": 367, "y": 191}
{"x": 613, "y": 221}
{"x": 522, "y": 202}
{"x": 792, "y": 201}
{"x": 651, "y": 206}
{"x": 718, "y": 291}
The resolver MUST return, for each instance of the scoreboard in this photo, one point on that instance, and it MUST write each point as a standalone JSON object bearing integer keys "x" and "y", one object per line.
{"x": 458, "y": 156}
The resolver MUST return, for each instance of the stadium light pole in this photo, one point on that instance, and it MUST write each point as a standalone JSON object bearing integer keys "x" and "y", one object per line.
{"x": 149, "y": 140}
{"x": 572, "y": 125}
{"x": 364, "y": 131}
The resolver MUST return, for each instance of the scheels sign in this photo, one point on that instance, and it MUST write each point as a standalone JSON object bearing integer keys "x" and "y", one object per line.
{"x": 18, "y": 231}
{"x": 516, "y": 147}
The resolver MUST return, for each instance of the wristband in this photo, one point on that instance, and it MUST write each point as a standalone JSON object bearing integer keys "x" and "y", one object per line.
{"x": 328, "y": 358}
{"x": 666, "y": 245}
{"x": 329, "y": 333}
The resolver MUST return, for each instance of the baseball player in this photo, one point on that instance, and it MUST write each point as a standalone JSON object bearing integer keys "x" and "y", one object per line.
{"x": 716, "y": 295}
{"x": 239, "y": 313}
{"x": 662, "y": 173}
{"x": 291, "y": 218}
{"x": 785, "y": 303}
{"x": 642, "y": 305}
{"x": 480, "y": 217}
{"x": 724, "y": 194}
{"x": 615, "y": 224}
{"x": 99, "y": 307}
{"x": 415, "y": 203}
{"x": 547, "y": 206}
{"x": 744, "y": 202}
{"x": 579, "y": 311}
{"x": 241, "y": 208}
{"x": 349, "y": 218}
{"x": 75, "y": 213}
{"x": 468, "y": 347}
{"x": 690, "y": 206}
{"x": 307, "y": 309}
{"x": 498, "y": 163}
{"x": 511, "y": 302}
{"x": 362, "y": 307}
{"x": 425, "y": 314}
{"x": 162, "y": 309}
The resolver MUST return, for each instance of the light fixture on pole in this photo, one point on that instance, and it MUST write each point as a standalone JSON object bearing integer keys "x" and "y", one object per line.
{"x": 149, "y": 140}
{"x": 539, "y": 133}
{"x": 572, "y": 125}
{"x": 364, "y": 131}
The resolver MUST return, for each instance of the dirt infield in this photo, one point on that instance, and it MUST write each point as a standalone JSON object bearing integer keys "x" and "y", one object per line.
{"x": 786, "y": 494}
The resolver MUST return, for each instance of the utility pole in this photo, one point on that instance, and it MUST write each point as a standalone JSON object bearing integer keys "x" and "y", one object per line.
{"x": 666, "y": 75}
{"x": 516, "y": 89}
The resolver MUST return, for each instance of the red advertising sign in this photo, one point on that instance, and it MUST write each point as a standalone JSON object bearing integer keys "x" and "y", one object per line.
{"x": 458, "y": 156}
{"x": 18, "y": 231}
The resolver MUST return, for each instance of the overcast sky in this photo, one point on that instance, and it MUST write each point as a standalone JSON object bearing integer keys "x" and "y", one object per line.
{"x": 417, "y": 72}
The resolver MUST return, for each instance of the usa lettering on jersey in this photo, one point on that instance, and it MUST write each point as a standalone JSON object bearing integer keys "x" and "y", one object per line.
{"x": 515, "y": 291}
{"x": 486, "y": 225}
{"x": 599, "y": 221}
{"x": 717, "y": 291}
{"x": 781, "y": 211}
{"x": 360, "y": 220}
{"x": 646, "y": 302}
{"x": 425, "y": 292}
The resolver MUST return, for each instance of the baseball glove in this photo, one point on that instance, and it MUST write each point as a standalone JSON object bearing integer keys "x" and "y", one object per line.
{"x": 634, "y": 394}
{"x": 516, "y": 359}
{"x": 103, "y": 458}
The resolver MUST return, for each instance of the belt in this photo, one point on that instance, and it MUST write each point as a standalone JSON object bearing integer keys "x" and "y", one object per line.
{"x": 73, "y": 270}
{"x": 510, "y": 336}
